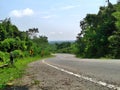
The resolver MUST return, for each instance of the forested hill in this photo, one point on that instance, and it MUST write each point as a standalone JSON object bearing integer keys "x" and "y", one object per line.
{"x": 100, "y": 35}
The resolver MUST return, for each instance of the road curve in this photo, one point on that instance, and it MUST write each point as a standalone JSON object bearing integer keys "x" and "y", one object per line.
{"x": 107, "y": 71}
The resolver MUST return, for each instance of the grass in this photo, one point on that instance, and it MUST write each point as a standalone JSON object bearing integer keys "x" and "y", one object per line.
{"x": 1, "y": 63}
{"x": 8, "y": 74}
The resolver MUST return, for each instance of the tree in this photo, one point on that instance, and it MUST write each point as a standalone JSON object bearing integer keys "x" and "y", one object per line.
{"x": 12, "y": 39}
{"x": 41, "y": 45}
{"x": 32, "y": 32}
{"x": 8, "y": 30}
{"x": 118, "y": 1}
{"x": 92, "y": 41}
{"x": 41, "y": 41}
{"x": 63, "y": 47}
{"x": 2, "y": 32}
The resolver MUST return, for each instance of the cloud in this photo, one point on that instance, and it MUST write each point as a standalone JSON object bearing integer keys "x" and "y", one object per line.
{"x": 52, "y": 33}
{"x": 44, "y": 12}
{"x": 60, "y": 32}
{"x": 68, "y": 7}
{"x": 56, "y": 33}
{"x": 22, "y": 13}
{"x": 48, "y": 16}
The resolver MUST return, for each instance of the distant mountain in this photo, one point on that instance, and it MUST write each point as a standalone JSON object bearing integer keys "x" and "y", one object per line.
{"x": 61, "y": 41}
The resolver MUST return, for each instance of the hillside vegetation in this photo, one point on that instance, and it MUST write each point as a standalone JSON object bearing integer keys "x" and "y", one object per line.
{"x": 25, "y": 46}
{"x": 20, "y": 42}
{"x": 100, "y": 34}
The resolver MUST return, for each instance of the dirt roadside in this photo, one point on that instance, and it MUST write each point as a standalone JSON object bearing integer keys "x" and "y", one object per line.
{"x": 39, "y": 76}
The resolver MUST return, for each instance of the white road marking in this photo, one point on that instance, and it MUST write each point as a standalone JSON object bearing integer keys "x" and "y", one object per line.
{"x": 84, "y": 77}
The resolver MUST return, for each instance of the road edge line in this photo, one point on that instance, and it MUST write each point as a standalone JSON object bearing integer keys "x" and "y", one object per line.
{"x": 111, "y": 86}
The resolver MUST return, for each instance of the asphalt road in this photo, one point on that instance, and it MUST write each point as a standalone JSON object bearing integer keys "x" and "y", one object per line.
{"x": 107, "y": 71}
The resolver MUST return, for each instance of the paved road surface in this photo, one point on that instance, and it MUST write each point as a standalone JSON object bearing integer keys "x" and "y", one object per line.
{"x": 65, "y": 72}
{"x": 101, "y": 70}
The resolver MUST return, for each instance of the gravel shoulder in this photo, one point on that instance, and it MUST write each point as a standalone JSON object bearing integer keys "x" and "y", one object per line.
{"x": 39, "y": 76}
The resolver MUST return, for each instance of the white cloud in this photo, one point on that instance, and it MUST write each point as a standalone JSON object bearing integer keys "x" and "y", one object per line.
{"x": 68, "y": 7}
{"x": 22, "y": 13}
{"x": 52, "y": 33}
{"x": 60, "y": 32}
{"x": 56, "y": 33}
{"x": 44, "y": 12}
{"x": 48, "y": 16}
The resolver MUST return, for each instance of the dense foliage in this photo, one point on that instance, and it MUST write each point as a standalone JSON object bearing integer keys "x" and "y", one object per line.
{"x": 20, "y": 42}
{"x": 62, "y": 47}
{"x": 100, "y": 35}
{"x": 17, "y": 49}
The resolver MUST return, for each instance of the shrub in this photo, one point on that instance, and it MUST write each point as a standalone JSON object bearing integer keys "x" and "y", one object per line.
{"x": 26, "y": 53}
{"x": 44, "y": 52}
{"x": 11, "y": 44}
{"x": 17, "y": 54}
{"x": 2, "y": 56}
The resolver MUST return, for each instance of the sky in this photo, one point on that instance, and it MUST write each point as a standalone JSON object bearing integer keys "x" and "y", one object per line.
{"x": 56, "y": 19}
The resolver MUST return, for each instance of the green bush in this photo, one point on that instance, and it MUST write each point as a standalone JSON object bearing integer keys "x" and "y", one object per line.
{"x": 11, "y": 44}
{"x": 6, "y": 57}
{"x": 45, "y": 52}
{"x": 26, "y": 53}
{"x": 17, "y": 54}
{"x": 2, "y": 56}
